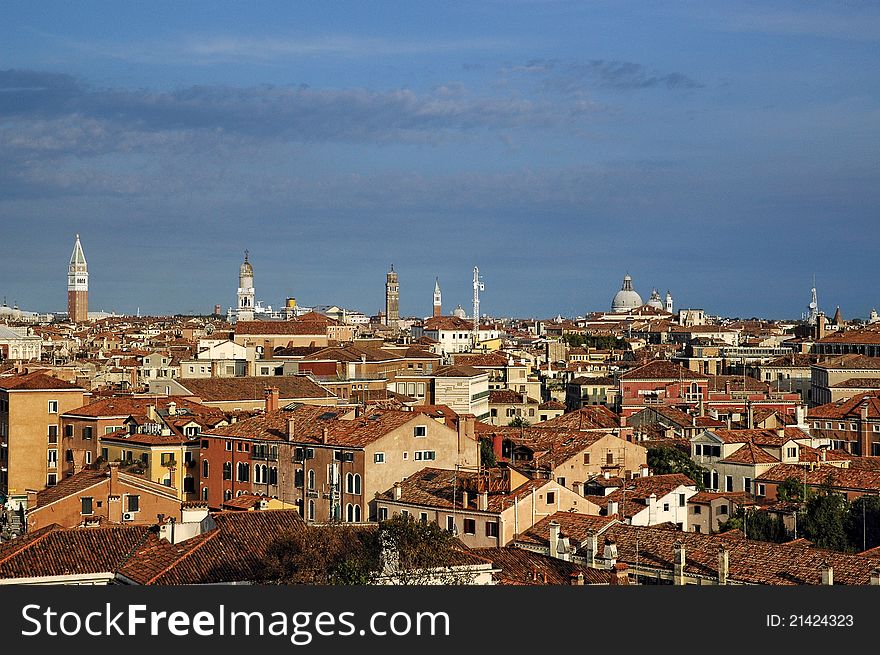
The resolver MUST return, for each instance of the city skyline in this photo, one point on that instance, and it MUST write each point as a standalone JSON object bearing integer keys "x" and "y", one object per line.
{"x": 726, "y": 152}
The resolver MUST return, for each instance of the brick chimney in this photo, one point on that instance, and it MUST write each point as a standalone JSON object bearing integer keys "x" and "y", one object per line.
{"x": 291, "y": 428}
{"x": 272, "y": 399}
{"x": 114, "y": 478}
{"x": 268, "y": 348}
{"x": 323, "y": 435}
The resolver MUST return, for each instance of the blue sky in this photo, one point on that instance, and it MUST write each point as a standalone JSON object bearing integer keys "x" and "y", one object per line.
{"x": 726, "y": 151}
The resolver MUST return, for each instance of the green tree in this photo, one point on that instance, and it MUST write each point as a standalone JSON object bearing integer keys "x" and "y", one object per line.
{"x": 518, "y": 422}
{"x": 757, "y": 524}
{"x": 487, "y": 453}
{"x": 407, "y": 550}
{"x": 792, "y": 490}
{"x": 667, "y": 459}
{"x": 862, "y": 524}
{"x": 823, "y": 521}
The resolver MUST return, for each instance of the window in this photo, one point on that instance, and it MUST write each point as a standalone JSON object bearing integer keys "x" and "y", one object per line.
{"x": 761, "y": 490}
{"x": 105, "y": 454}
{"x": 243, "y": 472}
{"x": 405, "y": 455}
{"x": 841, "y": 426}
{"x": 132, "y": 503}
{"x": 87, "y": 432}
{"x": 698, "y": 509}
{"x": 420, "y": 431}
{"x": 470, "y": 526}
{"x": 551, "y": 497}
{"x": 205, "y": 469}
{"x": 68, "y": 431}
{"x": 698, "y": 449}
{"x": 189, "y": 484}
{"x": 88, "y": 457}
{"x": 168, "y": 458}
{"x": 273, "y": 475}
{"x": 586, "y": 458}
{"x": 204, "y": 489}
{"x": 87, "y": 502}
{"x": 450, "y": 524}
{"x": 681, "y": 500}
{"x": 53, "y": 406}
{"x": 493, "y": 412}
{"x": 53, "y": 434}
{"x": 609, "y": 458}
{"x": 311, "y": 480}
{"x": 492, "y": 529}
{"x": 423, "y": 517}
{"x": 728, "y": 483}
{"x": 561, "y": 481}
{"x": 228, "y": 445}
{"x": 747, "y": 485}
{"x": 311, "y": 507}
{"x": 665, "y": 507}
{"x": 51, "y": 480}
{"x": 722, "y": 509}
{"x": 68, "y": 455}
{"x": 52, "y": 458}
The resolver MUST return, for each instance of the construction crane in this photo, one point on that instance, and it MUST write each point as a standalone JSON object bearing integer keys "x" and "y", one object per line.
{"x": 478, "y": 286}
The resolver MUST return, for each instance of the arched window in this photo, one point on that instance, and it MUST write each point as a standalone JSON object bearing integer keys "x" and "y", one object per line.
{"x": 311, "y": 510}
{"x": 356, "y": 514}
{"x": 349, "y": 483}
{"x": 357, "y": 484}
{"x": 273, "y": 475}
{"x": 312, "y": 480}
{"x": 243, "y": 472}
{"x": 227, "y": 471}
{"x": 227, "y": 494}
{"x": 205, "y": 468}
{"x": 349, "y": 513}
{"x": 204, "y": 493}
{"x": 265, "y": 474}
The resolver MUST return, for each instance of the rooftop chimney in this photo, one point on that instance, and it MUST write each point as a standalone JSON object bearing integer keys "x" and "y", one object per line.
{"x": 323, "y": 435}
{"x": 610, "y": 553}
{"x": 114, "y": 479}
{"x": 679, "y": 561}
{"x": 172, "y": 408}
{"x": 723, "y": 565}
{"x": 591, "y": 545}
{"x": 483, "y": 501}
{"x": 291, "y": 428}
{"x": 827, "y": 573}
{"x": 612, "y": 507}
{"x": 464, "y": 498}
{"x": 498, "y": 446}
{"x": 272, "y": 399}
{"x": 397, "y": 491}
{"x": 554, "y": 539}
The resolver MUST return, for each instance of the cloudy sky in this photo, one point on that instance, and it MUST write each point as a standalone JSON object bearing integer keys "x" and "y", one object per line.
{"x": 727, "y": 151}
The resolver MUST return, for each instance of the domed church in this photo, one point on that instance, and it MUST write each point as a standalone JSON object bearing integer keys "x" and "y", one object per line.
{"x": 626, "y": 299}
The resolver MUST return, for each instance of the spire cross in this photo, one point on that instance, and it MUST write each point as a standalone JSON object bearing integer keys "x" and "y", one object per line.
{"x": 246, "y": 252}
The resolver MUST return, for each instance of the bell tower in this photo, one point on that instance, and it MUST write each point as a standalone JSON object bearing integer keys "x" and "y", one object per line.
{"x": 78, "y": 285}
{"x": 438, "y": 299}
{"x": 392, "y": 298}
{"x": 245, "y": 311}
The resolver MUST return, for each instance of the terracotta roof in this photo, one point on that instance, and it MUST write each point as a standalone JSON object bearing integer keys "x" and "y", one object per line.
{"x": 461, "y": 371}
{"x": 849, "y": 408}
{"x": 114, "y": 406}
{"x": 36, "y": 381}
{"x": 662, "y": 370}
{"x": 706, "y": 497}
{"x": 638, "y": 490}
{"x": 573, "y": 526}
{"x": 494, "y": 360}
{"x": 834, "y": 476}
{"x": 55, "y": 551}
{"x": 851, "y": 361}
{"x": 448, "y": 323}
{"x": 551, "y": 404}
{"x": 509, "y": 397}
{"x": 750, "y": 562}
{"x": 232, "y": 552}
{"x": 270, "y": 328}
{"x": 718, "y": 383}
{"x": 353, "y": 353}
{"x": 524, "y": 567}
{"x": 749, "y": 453}
{"x": 867, "y": 336}
{"x": 858, "y": 383}
{"x": 770, "y": 437}
{"x": 290, "y": 387}
{"x": 592, "y": 417}
{"x": 83, "y": 480}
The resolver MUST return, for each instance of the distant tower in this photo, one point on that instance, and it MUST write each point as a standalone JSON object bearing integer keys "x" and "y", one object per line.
{"x": 669, "y": 302}
{"x": 813, "y": 308}
{"x": 78, "y": 285}
{"x": 438, "y": 300}
{"x": 392, "y": 299}
{"x": 245, "y": 291}
{"x": 838, "y": 321}
{"x": 478, "y": 286}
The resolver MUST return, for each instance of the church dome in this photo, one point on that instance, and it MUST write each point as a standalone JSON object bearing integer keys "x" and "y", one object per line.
{"x": 626, "y": 298}
{"x": 458, "y": 312}
{"x": 655, "y": 300}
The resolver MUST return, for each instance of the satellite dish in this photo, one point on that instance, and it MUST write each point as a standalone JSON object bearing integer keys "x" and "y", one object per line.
{"x": 812, "y": 305}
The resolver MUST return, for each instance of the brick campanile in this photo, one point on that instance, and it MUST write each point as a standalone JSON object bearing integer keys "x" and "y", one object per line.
{"x": 78, "y": 285}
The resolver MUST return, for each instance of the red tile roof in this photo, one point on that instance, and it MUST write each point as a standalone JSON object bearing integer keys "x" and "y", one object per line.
{"x": 290, "y": 387}
{"x": 36, "y": 381}
{"x": 662, "y": 370}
